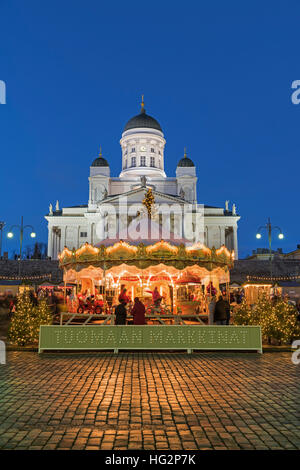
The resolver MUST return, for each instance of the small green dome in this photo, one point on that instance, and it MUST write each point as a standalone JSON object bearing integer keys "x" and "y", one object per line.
{"x": 100, "y": 161}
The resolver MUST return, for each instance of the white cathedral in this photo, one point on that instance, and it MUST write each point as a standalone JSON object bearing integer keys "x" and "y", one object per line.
{"x": 142, "y": 145}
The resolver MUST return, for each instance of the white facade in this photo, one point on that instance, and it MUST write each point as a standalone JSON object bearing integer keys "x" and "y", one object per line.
{"x": 142, "y": 145}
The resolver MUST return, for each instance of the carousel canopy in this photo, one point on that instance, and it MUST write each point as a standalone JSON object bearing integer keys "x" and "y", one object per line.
{"x": 144, "y": 256}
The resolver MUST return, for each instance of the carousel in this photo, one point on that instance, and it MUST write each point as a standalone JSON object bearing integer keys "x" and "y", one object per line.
{"x": 186, "y": 277}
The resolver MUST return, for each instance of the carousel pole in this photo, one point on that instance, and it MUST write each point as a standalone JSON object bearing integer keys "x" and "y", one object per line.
{"x": 64, "y": 286}
{"x": 104, "y": 287}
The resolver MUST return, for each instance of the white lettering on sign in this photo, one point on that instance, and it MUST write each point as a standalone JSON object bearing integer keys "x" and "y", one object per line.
{"x": 97, "y": 337}
{"x": 196, "y": 337}
{"x": 82, "y": 336}
{"x": 156, "y": 337}
{"x": 136, "y": 337}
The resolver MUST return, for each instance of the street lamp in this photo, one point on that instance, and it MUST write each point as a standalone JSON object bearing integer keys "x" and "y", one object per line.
{"x": 269, "y": 227}
{"x": 21, "y": 228}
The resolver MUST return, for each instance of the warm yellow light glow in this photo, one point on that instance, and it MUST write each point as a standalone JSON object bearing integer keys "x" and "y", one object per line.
{"x": 223, "y": 249}
{"x": 87, "y": 248}
{"x": 162, "y": 245}
{"x": 33, "y": 234}
{"x": 257, "y": 285}
{"x": 258, "y": 235}
{"x": 65, "y": 252}
{"x": 198, "y": 246}
{"x": 121, "y": 244}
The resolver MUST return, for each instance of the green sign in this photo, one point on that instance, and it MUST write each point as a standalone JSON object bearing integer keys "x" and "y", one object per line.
{"x": 169, "y": 337}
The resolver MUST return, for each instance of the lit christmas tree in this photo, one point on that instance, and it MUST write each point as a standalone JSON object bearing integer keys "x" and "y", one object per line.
{"x": 285, "y": 322}
{"x": 26, "y": 321}
{"x": 22, "y": 328}
{"x": 148, "y": 202}
{"x": 43, "y": 316}
{"x": 278, "y": 321}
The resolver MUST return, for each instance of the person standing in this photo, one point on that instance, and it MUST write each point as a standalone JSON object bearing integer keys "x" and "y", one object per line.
{"x": 211, "y": 310}
{"x": 121, "y": 313}
{"x": 222, "y": 312}
{"x": 138, "y": 312}
{"x": 123, "y": 297}
{"x": 156, "y": 297}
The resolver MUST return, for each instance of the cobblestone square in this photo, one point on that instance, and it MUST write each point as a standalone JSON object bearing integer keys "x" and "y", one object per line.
{"x": 144, "y": 400}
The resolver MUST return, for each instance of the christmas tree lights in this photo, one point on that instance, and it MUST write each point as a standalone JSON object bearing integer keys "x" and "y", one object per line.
{"x": 278, "y": 319}
{"x": 26, "y": 321}
{"x": 148, "y": 202}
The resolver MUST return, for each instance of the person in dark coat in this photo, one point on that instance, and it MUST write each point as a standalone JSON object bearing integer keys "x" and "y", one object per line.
{"x": 121, "y": 313}
{"x": 222, "y": 312}
{"x": 138, "y": 312}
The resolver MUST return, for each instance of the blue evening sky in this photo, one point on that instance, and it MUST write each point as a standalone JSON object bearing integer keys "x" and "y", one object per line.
{"x": 217, "y": 75}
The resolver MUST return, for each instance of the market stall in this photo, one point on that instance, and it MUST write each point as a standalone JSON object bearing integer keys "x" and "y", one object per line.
{"x": 253, "y": 290}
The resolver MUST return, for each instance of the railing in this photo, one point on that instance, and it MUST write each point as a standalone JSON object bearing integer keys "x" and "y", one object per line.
{"x": 109, "y": 319}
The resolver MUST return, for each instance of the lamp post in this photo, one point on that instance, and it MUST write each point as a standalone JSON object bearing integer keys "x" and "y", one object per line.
{"x": 21, "y": 228}
{"x": 2, "y": 225}
{"x": 269, "y": 227}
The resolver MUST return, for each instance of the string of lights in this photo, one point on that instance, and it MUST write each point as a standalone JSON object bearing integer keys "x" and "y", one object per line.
{"x": 278, "y": 278}
{"x": 26, "y": 278}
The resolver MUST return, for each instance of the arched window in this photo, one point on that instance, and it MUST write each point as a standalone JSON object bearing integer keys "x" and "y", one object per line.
{"x": 152, "y": 161}
{"x": 133, "y": 161}
{"x": 143, "y": 160}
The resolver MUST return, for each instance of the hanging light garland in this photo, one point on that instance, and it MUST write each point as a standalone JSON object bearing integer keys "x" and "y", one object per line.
{"x": 26, "y": 278}
{"x": 269, "y": 278}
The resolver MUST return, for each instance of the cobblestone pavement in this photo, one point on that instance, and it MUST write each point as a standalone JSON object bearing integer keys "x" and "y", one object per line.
{"x": 149, "y": 401}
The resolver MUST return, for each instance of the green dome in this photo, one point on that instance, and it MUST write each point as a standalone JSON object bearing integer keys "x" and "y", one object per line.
{"x": 100, "y": 161}
{"x": 185, "y": 162}
{"x": 142, "y": 120}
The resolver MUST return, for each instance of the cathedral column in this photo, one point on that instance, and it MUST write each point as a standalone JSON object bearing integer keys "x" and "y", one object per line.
{"x": 222, "y": 235}
{"x": 54, "y": 243}
{"x": 63, "y": 238}
{"x": 235, "y": 243}
{"x": 50, "y": 242}
{"x": 59, "y": 248}
{"x": 207, "y": 238}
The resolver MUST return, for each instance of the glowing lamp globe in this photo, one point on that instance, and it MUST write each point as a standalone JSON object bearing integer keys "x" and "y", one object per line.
{"x": 281, "y": 236}
{"x": 10, "y": 235}
{"x": 33, "y": 234}
{"x": 258, "y": 235}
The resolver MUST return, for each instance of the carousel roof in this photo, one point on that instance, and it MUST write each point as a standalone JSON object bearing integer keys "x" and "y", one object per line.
{"x": 143, "y": 256}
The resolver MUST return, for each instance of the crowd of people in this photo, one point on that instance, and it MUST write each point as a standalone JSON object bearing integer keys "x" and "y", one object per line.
{"x": 138, "y": 309}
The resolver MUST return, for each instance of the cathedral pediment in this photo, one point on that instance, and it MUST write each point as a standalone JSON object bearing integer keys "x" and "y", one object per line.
{"x": 136, "y": 196}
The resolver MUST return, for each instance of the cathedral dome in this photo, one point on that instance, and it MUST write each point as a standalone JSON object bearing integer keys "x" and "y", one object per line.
{"x": 185, "y": 161}
{"x": 142, "y": 120}
{"x": 100, "y": 161}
